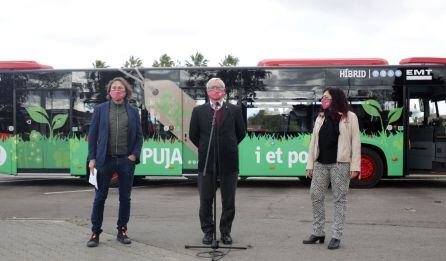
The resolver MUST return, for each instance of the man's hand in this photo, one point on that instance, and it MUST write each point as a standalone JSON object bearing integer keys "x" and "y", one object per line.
{"x": 132, "y": 157}
{"x": 355, "y": 174}
{"x": 91, "y": 166}
{"x": 309, "y": 173}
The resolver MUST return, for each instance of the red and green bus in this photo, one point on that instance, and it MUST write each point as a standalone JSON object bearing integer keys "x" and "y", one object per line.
{"x": 45, "y": 115}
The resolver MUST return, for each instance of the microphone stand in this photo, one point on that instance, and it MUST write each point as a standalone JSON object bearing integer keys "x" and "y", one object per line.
{"x": 214, "y": 253}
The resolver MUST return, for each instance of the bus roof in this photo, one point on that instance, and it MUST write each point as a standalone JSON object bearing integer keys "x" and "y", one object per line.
{"x": 423, "y": 60}
{"x": 22, "y": 65}
{"x": 323, "y": 62}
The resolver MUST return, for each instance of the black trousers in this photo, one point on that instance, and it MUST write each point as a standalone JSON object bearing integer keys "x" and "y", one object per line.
{"x": 228, "y": 185}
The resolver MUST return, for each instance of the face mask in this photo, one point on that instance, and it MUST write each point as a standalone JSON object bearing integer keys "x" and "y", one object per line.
{"x": 117, "y": 95}
{"x": 326, "y": 103}
{"x": 216, "y": 95}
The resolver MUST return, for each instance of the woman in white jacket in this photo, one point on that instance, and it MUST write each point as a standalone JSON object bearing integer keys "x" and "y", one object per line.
{"x": 334, "y": 156}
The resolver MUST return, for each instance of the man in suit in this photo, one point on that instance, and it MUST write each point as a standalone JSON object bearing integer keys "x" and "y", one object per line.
{"x": 229, "y": 132}
{"x": 114, "y": 145}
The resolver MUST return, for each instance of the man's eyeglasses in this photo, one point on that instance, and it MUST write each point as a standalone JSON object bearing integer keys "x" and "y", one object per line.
{"x": 218, "y": 88}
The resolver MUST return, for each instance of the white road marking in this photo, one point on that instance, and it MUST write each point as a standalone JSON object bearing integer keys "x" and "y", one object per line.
{"x": 68, "y": 191}
{"x": 83, "y": 190}
{"x": 19, "y": 180}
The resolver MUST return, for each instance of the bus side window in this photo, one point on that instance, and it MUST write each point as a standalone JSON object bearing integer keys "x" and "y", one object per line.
{"x": 416, "y": 114}
{"x": 438, "y": 113}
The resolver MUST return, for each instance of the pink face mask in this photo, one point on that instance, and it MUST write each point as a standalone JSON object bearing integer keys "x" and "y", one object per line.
{"x": 216, "y": 95}
{"x": 326, "y": 103}
{"x": 117, "y": 95}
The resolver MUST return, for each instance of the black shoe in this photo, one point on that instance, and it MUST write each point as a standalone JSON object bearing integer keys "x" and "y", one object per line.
{"x": 334, "y": 243}
{"x": 122, "y": 236}
{"x": 226, "y": 238}
{"x": 207, "y": 239}
{"x": 313, "y": 239}
{"x": 94, "y": 240}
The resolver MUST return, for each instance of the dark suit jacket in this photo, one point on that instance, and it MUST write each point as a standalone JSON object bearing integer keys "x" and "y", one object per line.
{"x": 98, "y": 133}
{"x": 230, "y": 133}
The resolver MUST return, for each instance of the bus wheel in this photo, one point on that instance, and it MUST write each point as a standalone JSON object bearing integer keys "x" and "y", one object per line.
{"x": 192, "y": 178}
{"x": 114, "y": 181}
{"x": 305, "y": 181}
{"x": 371, "y": 169}
{"x": 138, "y": 179}
{"x": 86, "y": 178}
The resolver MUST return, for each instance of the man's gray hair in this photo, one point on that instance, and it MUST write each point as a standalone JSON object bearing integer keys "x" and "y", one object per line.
{"x": 215, "y": 80}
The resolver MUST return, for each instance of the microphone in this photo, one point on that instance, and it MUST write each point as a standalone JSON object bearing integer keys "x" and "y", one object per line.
{"x": 217, "y": 105}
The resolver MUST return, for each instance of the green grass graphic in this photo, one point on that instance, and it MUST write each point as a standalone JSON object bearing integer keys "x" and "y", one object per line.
{"x": 78, "y": 155}
{"x": 43, "y": 152}
{"x": 254, "y": 153}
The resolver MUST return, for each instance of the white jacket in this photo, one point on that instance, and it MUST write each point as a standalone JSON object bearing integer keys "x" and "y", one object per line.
{"x": 349, "y": 143}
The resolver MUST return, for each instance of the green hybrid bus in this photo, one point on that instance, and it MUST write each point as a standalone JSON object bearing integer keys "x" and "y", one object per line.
{"x": 45, "y": 115}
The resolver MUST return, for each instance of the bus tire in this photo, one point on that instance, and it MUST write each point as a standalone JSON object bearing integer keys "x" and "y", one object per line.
{"x": 305, "y": 181}
{"x": 114, "y": 181}
{"x": 192, "y": 178}
{"x": 86, "y": 178}
{"x": 138, "y": 178}
{"x": 372, "y": 169}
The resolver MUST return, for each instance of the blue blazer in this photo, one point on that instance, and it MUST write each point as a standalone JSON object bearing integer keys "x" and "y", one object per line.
{"x": 98, "y": 133}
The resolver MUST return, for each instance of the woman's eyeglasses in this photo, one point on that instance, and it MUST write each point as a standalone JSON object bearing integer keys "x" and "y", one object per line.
{"x": 117, "y": 89}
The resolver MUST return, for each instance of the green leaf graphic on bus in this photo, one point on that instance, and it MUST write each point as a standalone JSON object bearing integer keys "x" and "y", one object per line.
{"x": 395, "y": 114}
{"x": 373, "y": 108}
{"x": 391, "y": 143}
{"x": 59, "y": 121}
{"x": 39, "y": 115}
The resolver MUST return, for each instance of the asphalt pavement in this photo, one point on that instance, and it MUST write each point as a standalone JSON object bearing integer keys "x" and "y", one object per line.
{"x": 47, "y": 218}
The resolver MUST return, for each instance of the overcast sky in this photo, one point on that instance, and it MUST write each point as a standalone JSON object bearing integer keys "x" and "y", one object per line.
{"x": 72, "y": 34}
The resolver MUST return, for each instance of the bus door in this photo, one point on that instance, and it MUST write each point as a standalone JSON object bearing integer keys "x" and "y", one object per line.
{"x": 427, "y": 129}
{"x": 42, "y": 126}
